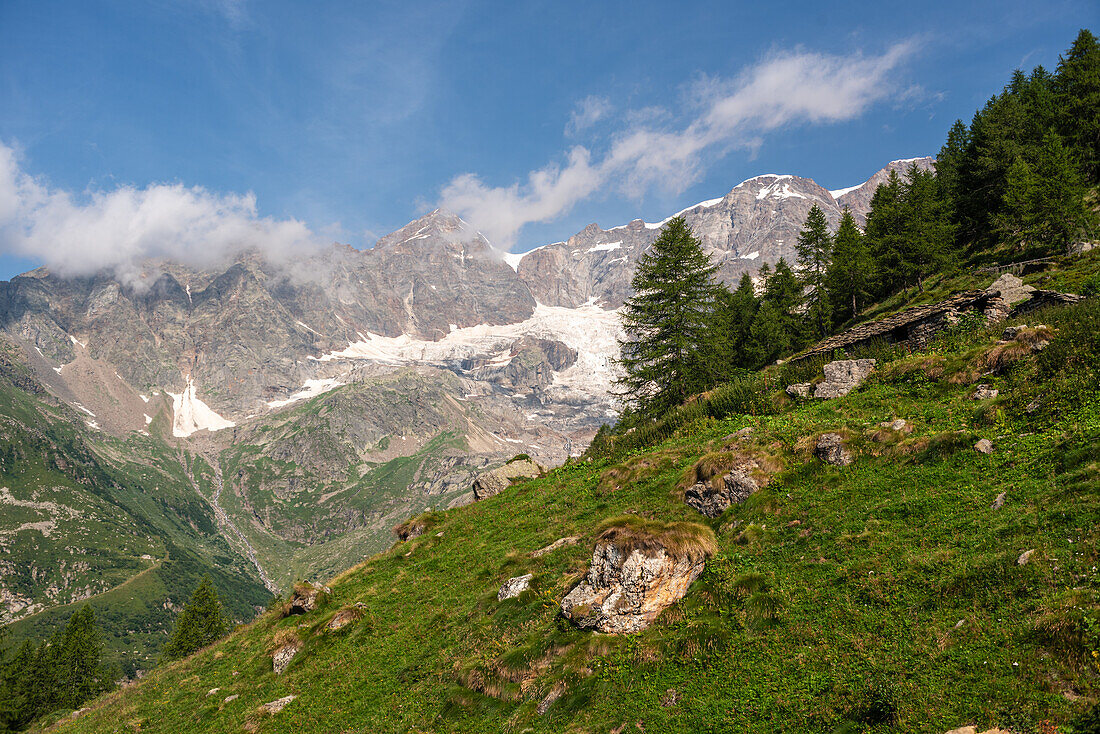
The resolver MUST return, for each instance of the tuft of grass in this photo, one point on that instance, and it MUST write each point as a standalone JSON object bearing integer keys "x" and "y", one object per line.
{"x": 678, "y": 539}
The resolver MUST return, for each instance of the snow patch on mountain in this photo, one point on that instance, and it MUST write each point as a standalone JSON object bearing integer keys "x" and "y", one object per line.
{"x": 590, "y": 330}
{"x": 778, "y": 190}
{"x": 310, "y": 389}
{"x": 189, "y": 414}
{"x": 837, "y": 193}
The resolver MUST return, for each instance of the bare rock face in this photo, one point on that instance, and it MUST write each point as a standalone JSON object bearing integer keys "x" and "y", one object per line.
{"x": 497, "y": 480}
{"x": 515, "y": 586}
{"x": 283, "y": 655}
{"x": 843, "y": 376}
{"x": 735, "y": 487}
{"x": 305, "y": 598}
{"x": 830, "y": 449}
{"x": 624, "y": 592}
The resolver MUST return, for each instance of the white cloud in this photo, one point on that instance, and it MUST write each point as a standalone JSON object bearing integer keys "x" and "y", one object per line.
{"x": 115, "y": 230}
{"x": 783, "y": 89}
{"x": 587, "y": 113}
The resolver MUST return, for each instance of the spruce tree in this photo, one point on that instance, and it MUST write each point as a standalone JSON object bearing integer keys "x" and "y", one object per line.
{"x": 768, "y": 337}
{"x": 742, "y": 306}
{"x": 664, "y": 356}
{"x": 883, "y": 234}
{"x": 1060, "y": 212}
{"x": 926, "y": 237}
{"x": 851, "y": 272}
{"x": 77, "y": 657}
{"x": 1077, "y": 89}
{"x": 815, "y": 251}
{"x": 200, "y": 623}
{"x": 783, "y": 291}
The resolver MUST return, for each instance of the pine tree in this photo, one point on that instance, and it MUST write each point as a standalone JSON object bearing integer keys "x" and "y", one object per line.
{"x": 1059, "y": 209}
{"x": 925, "y": 242}
{"x": 768, "y": 337}
{"x": 77, "y": 657}
{"x": 663, "y": 358}
{"x": 815, "y": 252}
{"x": 883, "y": 234}
{"x": 1077, "y": 89}
{"x": 200, "y": 623}
{"x": 851, "y": 272}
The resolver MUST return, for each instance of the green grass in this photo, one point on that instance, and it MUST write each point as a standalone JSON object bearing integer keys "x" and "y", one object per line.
{"x": 883, "y": 596}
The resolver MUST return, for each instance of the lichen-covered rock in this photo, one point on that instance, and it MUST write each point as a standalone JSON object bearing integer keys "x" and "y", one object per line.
{"x": 515, "y": 586}
{"x": 984, "y": 392}
{"x": 274, "y": 707}
{"x": 305, "y": 598}
{"x": 713, "y": 498}
{"x": 625, "y": 591}
{"x": 799, "y": 390}
{"x": 497, "y": 480}
{"x": 1011, "y": 288}
{"x": 830, "y": 448}
{"x": 283, "y": 655}
{"x": 570, "y": 540}
{"x": 984, "y": 446}
{"x": 843, "y": 376}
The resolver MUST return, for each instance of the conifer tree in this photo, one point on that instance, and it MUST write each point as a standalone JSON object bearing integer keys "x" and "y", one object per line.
{"x": 200, "y": 623}
{"x": 815, "y": 251}
{"x": 663, "y": 358}
{"x": 77, "y": 658}
{"x": 784, "y": 292}
{"x": 851, "y": 272}
{"x": 768, "y": 336}
{"x": 1077, "y": 89}
{"x": 926, "y": 236}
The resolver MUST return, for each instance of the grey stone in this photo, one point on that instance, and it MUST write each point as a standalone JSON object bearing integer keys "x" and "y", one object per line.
{"x": 570, "y": 540}
{"x": 274, "y": 707}
{"x": 304, "y": 599}
{"x": 1011, "y": 288}
{"x": 515, "y": 586}
{"x": 1079, "y": 248}
{"x": 1024, "y": 557}
{"x": 999, "y": 502}
{"x": 799, "y": 390}
{"x": 495, "y": 481}
{"x": 735, "y": 487}
{"x": 985, "y": 392}
{"x": 283, "y": 655}
{"x": 843, "y": 376}
{"x": 554, "y": 694}
{"x": 233, "y": 697}
{"x": 626, "y": 591}
{"x": 830, "y": 448}
{"x": 984, "y": 446}
{"x": 898, "y": 424}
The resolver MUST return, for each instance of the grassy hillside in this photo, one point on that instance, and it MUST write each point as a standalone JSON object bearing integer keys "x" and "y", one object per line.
{"x": 882, "y": 596}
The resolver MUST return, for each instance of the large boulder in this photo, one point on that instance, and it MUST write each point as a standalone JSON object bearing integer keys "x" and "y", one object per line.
{"x": 637, "y": 571}
{"x": 304, "y": 599}
{"x": 283, "y": 655}
{"x": 497, "y": 480}
{"x": 713, "y": 497}
{"x": 1011, "y": 289}
{"x": 843, "y": 376}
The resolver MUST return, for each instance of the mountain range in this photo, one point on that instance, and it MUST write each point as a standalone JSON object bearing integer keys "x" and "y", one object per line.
{"x": 274, "y": 422}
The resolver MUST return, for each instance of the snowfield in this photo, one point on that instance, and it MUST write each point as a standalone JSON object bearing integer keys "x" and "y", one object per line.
{"x": 592, "y": 331}
{"x": 189, "y": 414}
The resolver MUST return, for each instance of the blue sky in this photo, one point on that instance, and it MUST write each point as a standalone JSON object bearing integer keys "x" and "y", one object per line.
{"x": 353, "y": 118}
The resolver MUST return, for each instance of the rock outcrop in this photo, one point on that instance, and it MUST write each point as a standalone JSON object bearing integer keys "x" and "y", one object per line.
{"x": 631, "y": 581}
{"x": 1011, "y": 289}
{"x": 304, "y": 599}
{"x": 283, "y": 655}
{"x": 830, "y": 448}
{"x": 843, "y": 376}
{"x": 513, "y": 587}
{"x": 497, "y": 480}
{"x": 714, "y": 497}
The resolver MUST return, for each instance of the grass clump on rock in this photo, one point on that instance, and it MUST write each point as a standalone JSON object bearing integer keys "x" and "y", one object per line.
{"x": 678, "y": 539}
